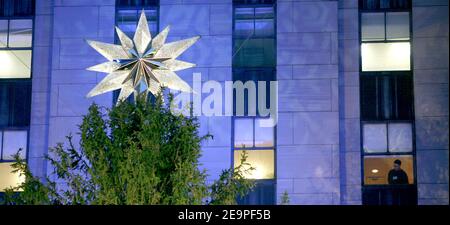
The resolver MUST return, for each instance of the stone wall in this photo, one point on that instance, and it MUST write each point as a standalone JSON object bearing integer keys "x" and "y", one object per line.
{"x": 308, "y": 127}
{"x": 430, "y": 61}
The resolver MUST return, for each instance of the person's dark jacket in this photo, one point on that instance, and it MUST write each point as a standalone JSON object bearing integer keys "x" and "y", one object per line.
{"x": 397, "y": 177}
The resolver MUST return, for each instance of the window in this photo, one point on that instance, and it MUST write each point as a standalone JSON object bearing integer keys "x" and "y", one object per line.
{"x": 16, "y": 45}
{"x": 248, "y": 133}
{"x": 254, "y": 36}
{"x": 376, "y": 168}
{"x": 386, "y": 101}
{"x": 386, "y": 56}
{"x": 254, "y": 59}
{"x": 8, "y": 177}
{"x": 386, "y": 96}
{"x": 387, "y": 137}
{"x": 15, "y": 102}
{"x": 9, "y": 8}
{"x": 385, "y": 26}
{"x": 384, "y": 4}
{"x": 255, "y": 75}
{"x": 127, "y": 17}
{"x": 385, "y": 37}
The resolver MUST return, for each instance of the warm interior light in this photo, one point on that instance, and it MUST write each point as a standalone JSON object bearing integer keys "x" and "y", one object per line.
{"x": 15, "y": 64}
{"x": 261, "y": 160}
{"x": 385, "y": 56}
{"x": 374, "y": 171}
{"x": 8, "y": 178}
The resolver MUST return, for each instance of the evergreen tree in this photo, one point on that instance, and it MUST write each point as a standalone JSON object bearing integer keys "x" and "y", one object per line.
{"x": 135, "y": 153}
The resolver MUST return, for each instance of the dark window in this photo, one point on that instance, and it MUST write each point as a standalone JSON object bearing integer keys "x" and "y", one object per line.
{"x": 254, "y": 36}
{"x": 262, "y": 194}
{"x": 17, "y": 8}
{"x": 386, "y": 97}
{"x": 15, "y": 102}
{"x": 250, "y": 2}
{"x": 134, "y": 3}
{"x": 384, "y": 4}
{"x": 253, "y": 74}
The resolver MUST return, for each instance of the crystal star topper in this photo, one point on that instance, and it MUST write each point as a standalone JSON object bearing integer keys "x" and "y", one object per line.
{"x": 142, "y": 63}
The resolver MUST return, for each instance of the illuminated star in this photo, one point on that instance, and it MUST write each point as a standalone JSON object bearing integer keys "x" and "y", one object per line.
{"x": 143, "y": 61}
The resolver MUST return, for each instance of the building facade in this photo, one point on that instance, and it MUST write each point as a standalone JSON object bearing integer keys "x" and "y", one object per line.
{"x": 360, "y": 84}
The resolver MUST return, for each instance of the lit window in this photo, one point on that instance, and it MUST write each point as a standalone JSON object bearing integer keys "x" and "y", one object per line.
{"x": 8, "y": 178}
{"x": 15, "y": 64}
{"x": 387, "y": 137}
{"x": 261, "y": 160}
{"x": 376, "y": 168}
{"x": 385, "y": 56}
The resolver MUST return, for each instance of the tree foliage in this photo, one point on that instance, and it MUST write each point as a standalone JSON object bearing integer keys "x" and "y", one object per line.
{"x": 135, "y": 153}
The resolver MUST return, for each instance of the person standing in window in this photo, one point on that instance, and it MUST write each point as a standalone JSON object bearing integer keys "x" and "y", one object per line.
{"x": 397, "y": 175}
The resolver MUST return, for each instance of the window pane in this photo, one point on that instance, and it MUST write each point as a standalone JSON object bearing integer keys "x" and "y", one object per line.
{"x": 385, "y": 56}
{"x": 3, "y": 33}
{"x": 244, "y": 13}
{"x": 127, "y": 21}
{"x": 404, "y": 97}
{"x": 375, "y": 138}
{"x": 15, "y": 64}
{"x": 264, "y": 12}
{"x": 400, "y": 137}
{"x": 264, "y": 27}
{"x": 261, "y": 160}
{"x": 369, "y": 103}
{"x": 8, "y": 178}
{"x": 13, "y": 141}
{"x": 376, "y": 168}
{"x": 4, "y": 104}
{"x": 151, "y": 14}
{"x": 263, "y": 135}
{"x": 20, "y": 104}
{"x": 257, "y": 52}
{"x": 243, "y": 28}
{"x": 243, "y": 133}
{"x": 23, "y": 7}
{"x": 262, "y": 194}
{"x": 20, "y": 33}
{"x": 397, "y": 26}
{"x": 372, "y": 26}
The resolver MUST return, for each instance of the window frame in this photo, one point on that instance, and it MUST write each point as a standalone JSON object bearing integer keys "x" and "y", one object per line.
{"x": 393, "y": 75}
{"x": 235, "y": 69}
{"x": 386, "y": 10}
{"x": 234, "y": 37}
{"x": 387, "y": 121}
{"x": 29, "y": 79}
{"x": 138, "y": 8}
